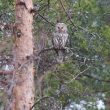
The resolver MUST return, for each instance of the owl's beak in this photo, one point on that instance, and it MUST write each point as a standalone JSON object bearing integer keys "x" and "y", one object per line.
{"x": 60, "y": 30}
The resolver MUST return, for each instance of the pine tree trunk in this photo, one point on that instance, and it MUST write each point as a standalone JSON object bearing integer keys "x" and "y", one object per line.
{"x": 21, "y": 95}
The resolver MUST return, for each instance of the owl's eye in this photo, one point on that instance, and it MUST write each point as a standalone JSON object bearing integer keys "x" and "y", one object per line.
{"x": 61, "y": 27}
{"x": 58, "y": 27}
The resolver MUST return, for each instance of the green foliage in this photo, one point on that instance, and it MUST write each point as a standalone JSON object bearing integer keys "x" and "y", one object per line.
{"x": 89, "y": 37}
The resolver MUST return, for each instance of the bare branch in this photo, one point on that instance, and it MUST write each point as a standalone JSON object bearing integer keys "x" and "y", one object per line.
{"x": 45, "y": 97}
{"x": 3, "y": 72}
{"x": 96, "y": 78}
{"x": 45, "y": 19}
{"x": 75, "y": 77}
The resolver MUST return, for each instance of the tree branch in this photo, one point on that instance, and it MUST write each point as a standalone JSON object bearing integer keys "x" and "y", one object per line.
{"x": 45, "y": 97}
{"x": 102, "y": 80}
{"x": 75, "y": 77}
{"x": 3, "y": 72}
{"x": 46, "y": 19}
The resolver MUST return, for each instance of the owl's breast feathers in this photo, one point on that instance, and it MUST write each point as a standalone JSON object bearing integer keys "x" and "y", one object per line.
{"x": 60, "y": 40}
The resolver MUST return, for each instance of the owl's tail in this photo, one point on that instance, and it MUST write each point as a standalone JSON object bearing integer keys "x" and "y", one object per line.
{"x": 60, "y": 56}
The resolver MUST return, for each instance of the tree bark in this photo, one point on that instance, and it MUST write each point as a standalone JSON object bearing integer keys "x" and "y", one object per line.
{"x": 21, "y": 90}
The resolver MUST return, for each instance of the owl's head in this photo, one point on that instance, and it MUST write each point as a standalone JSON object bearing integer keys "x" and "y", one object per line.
{"x": 61, "y": 28}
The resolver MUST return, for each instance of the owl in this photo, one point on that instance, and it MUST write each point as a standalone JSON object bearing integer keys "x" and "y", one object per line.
{"x": 60, "y": 37}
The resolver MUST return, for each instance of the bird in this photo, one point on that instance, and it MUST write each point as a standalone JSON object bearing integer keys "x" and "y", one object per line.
{"x": 59, "y": 40}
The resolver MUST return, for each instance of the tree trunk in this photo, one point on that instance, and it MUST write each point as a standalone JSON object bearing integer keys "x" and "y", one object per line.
{"x": 21, "y": 90}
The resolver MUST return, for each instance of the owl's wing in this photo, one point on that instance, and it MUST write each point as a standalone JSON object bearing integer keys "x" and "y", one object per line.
{"x": 64, "y": 39}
